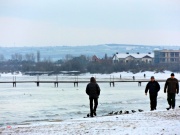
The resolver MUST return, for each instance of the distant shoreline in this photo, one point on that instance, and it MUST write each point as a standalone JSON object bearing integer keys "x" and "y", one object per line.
{"x": 59, "y": 52}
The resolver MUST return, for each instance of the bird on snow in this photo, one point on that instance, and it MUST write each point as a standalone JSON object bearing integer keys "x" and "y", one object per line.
{"x": 116, "y": 113}
{"x": 126, "y": 112}
{"x": 111, "y": 113}
{"x": 120, "y": 112}
{"x": 140, "y": 110}
{"x": 133, "y": 111}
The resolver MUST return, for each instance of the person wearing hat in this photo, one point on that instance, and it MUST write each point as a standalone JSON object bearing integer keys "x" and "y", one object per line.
{"x": 153, "y": 87}
{"x": 172, "y": 88}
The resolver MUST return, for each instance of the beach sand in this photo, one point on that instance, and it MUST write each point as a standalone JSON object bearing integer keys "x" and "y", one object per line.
{"x": 140, "y": 123}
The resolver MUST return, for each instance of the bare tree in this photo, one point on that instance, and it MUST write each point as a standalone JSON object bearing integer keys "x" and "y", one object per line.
{"x": 38, "y": 56}
{"x": 68, "y": 57}
{"x": 30, "y": 57}
{"x": 2, "y": 57}
{"x": 16, "y": 56}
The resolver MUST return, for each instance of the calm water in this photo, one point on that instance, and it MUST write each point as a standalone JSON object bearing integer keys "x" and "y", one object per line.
{"x": 27, "y": 103}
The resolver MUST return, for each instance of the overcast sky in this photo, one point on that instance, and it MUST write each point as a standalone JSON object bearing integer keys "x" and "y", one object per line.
{"x": 89, "y": 22}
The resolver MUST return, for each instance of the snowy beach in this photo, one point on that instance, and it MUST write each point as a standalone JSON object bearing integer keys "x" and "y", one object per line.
{"x": 140, "y": 123}
{"x": 31, "y": 110}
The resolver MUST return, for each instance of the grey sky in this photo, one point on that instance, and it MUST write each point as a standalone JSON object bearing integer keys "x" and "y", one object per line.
{"x": 89, "y": 22}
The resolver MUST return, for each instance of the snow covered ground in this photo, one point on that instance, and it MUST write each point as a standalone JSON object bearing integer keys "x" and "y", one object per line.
{"x": 128, "y": 75}
{"x": 160, "y": 122}
{"x": 139, "y": 123}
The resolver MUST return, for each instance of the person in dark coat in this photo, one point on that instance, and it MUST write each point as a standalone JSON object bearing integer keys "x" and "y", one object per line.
{"x": 172, "y": 88}
{"x": 153, "y": 87}
{"x": 93, "y": 91}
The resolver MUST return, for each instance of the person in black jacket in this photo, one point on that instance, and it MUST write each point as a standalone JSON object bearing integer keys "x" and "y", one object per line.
{"x": 93, "y": 91}
{"x": 172, "y": 86}
{"x": 153, "y": 87}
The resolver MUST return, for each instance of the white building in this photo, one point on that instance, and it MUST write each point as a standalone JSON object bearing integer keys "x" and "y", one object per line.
{"x": 127, "y": 57}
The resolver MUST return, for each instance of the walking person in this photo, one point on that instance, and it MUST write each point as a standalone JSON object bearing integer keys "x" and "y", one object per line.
{"x": 172, "y": 88}
{"x": 93, "y": 91}
{"x": 153, "y": 87}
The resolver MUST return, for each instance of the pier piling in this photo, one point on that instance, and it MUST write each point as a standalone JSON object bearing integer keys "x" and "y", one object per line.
{"x": 113, "y": 84}
{"x": 14, "y": 84}
{"x": 14, "y": 81}
{"x": 37, "y": 84}
{"x": 112, "y": 81}
{"x": 55, "y": 84}
{"x": 75, "y": 84}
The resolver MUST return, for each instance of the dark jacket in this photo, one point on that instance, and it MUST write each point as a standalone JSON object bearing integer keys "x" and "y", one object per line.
{"x": 171, "y": 85}
{"x": 93, "y": 90}
{"x": 153, "y": 87}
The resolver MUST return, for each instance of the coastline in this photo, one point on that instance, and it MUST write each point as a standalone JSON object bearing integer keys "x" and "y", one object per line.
{"x": 140, "y": 123}
{"x": 126, "y": 124}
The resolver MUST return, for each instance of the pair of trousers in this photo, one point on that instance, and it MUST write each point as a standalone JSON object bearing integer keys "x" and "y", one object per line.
{"x": 93, "y": 109}
{"x": 153, "y": 100}
{"x": 171, "y": 99}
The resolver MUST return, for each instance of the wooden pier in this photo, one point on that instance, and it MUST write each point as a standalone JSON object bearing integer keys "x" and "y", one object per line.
{"x": 76, "y": 82}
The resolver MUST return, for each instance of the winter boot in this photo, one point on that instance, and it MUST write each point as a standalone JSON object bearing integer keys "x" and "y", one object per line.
{"x": 94, "y": 113}
{"x": 91, "y": 114}
{"x": 168, "y": 108}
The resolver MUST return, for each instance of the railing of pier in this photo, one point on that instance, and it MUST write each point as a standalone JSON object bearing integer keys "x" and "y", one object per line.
{"x": 112, "y": 80}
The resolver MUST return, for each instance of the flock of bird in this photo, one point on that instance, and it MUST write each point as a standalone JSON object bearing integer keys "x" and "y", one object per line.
{"x": 120, "y": 112}
{"x": 125, "y": 112}
{"x": 117, "y": 113}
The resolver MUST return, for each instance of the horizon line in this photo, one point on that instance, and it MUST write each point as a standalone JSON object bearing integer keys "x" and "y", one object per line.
{"x": 35, "y": 46}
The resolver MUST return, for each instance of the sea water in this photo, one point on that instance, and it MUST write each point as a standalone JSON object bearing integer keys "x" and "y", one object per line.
{"x": 26, "y": 103}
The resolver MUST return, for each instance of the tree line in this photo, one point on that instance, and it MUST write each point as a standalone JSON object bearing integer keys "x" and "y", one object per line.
{"x": 82, "y": 63}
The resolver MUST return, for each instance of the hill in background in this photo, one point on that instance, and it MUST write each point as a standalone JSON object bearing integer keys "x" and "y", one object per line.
{"x": 59, "y": 52}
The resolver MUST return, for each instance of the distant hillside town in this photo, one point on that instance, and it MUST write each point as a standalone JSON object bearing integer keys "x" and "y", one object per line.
{"x": 129, "y": 57}
{"x": 157, "y": 60}
{"x": 159, "y": 56}
{"x": 55, "y": 53}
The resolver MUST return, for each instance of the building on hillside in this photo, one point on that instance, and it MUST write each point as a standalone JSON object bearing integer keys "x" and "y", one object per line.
{"x": 166, "y": 56}
{"x": 148, "y": 59}
{"x": 95, "y": 59}
{"x": 106, "y": 59}
{"x": 138, "y": 57}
